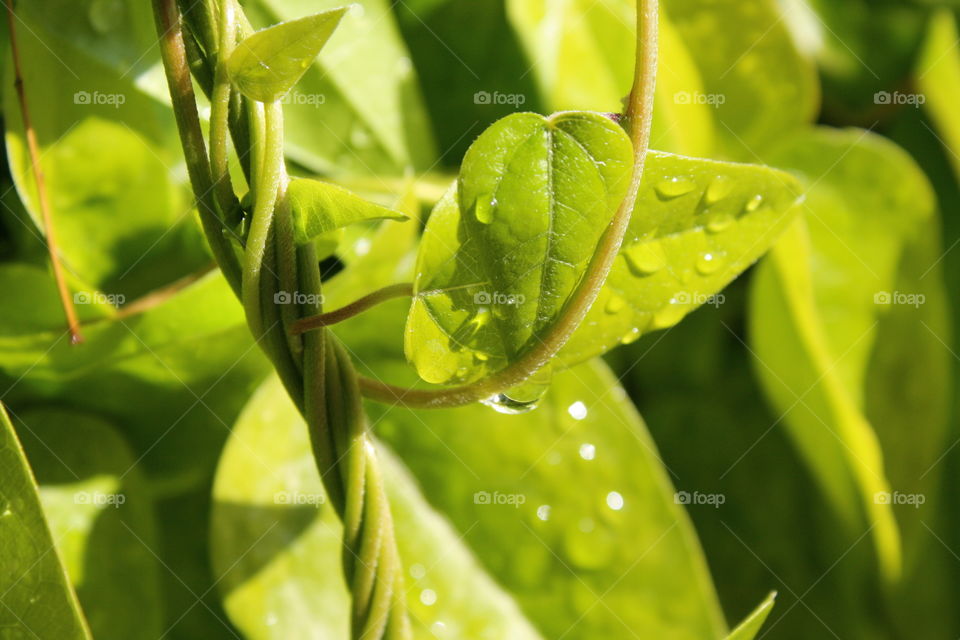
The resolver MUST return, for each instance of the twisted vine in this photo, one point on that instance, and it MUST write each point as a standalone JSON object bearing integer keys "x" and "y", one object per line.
{"x": 196, "y": 37}
{"x": 315, "y": 369}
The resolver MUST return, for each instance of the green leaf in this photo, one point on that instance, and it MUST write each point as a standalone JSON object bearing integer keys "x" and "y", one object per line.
{"x": 698, "y": 224}
{"x": 582, "y": 55}
{"x": 320, "y": 207}
{"x": 938, "y": 77}
{"x": 33, "y": 581}
{"x": 536, "y": 194}
{"x": 482, "y": 566}
{"x": 818, "y": 303}
{"x": 101, "y": 517}
{"x": 266, "y": 65}
{"x": 750, "y": 627}
{"x": 277, "y": 542}
{"x": 358, "y": 109}
{"x": 758, "y": 85}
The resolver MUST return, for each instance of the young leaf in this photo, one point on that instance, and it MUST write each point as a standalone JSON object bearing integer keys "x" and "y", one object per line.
{"x": 320, "y": 207}
{"x": 697, "y": 225}
{"x": 750, "y": 627}
{"x": 33, "y": 581}
{"x": 535, "y": 194}
{"x": 266, "y": 65}
{"x": 816, "y": 307}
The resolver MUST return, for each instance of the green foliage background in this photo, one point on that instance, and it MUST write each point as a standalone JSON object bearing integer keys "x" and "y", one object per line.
{"x": 150, "y": 479}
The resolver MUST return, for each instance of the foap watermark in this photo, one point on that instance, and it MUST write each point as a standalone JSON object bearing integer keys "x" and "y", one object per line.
{"x": 696, "y": 498}
{"x": 297, "y": 297}
{"x": 98, "y": 297}
{"x": 899, "y": 98}
{"x": 115, "y": 100}
{"x": 304, "y": 99}
{"x": 497, "y": 498}
{"x": 298, "y": 498}
{"x": 887, "y": 298}
{"x": 713, "y": 299}
{"x": 911, "y": 499}
{"x": 486, "y": 97}
{"x": 99, "y": 498}
{"x": 697, "y": 97}
{"x": 486, "y": 298}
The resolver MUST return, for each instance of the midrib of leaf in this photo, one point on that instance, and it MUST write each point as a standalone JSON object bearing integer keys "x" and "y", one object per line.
{"x": 856, "y": 433}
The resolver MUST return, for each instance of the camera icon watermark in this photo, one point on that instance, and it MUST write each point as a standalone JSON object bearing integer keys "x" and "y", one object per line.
{"x": 115, "y": 100}
{"x": 696, "y": 498}
{"x": 297, "y": 297}
{"x": 98, "y": 297}
{"x": 899, "y": 98}
{"x": 487, "y": 298}
{"x": 696, "y": 97}
{"x": 493, "y": 98}
{"x": 888, "y": 298}
{"x": 497, "y": 498}
{"x": 911, "y": 499}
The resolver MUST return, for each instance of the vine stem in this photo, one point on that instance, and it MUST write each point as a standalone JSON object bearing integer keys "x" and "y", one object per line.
{"x": 403, "y": 290}
{"x": 639, "y": 117}
{"x": 33, "y": 149}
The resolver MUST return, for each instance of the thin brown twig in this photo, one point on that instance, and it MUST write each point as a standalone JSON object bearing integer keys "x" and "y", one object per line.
{"x": 404, "y": 290}
{"x": 34, "y": 151}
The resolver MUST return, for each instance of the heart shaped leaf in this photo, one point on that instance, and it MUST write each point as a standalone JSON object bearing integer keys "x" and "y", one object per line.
{"x": 320, "y": 207}
{"x": 536, "y": 194}
{"x": 266, "y": 65}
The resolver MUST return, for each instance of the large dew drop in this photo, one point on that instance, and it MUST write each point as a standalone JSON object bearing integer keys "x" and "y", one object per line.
{"x": 645, "y": 258}
{"x": 522, "y": 398}
{"x": 484, "y": 209}
{"x": 717, "y": 190}
{"x": 674, "y": 187}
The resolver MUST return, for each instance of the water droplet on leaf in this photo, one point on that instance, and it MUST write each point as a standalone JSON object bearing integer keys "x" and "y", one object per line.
{"x": 674, "y": 187}
{"x": 615, "y": 304}
{"x": 718, "y": 189}
{"x": 645, "y": 258}
{"x": 753, "y": 203}
{"x": 708, "y": 263}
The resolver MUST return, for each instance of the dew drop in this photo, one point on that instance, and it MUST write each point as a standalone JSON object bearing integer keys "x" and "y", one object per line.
{"x": 543, "y": 512}
{"x": 708, "y": 263}
{"x": 615, "y": 500}
{"x": 720, "y": 222}
{"x": 630, "y": 336}
{"x": 522, "y": 398}
{"x": 615, "y": 304}
{"x": 428, "y": 597}
{"x": 753, "y": 203}
{"x": 674, "y": 188}
{"x": 577, "y": 410}
{"x": 645, "y": 258}
{"x": 483, "y": 210}
{"x": 669, "y": 315}
{"x": 417, "y": 571}
{"x": 717, "y": 190}
{"x": 588, "y": 451}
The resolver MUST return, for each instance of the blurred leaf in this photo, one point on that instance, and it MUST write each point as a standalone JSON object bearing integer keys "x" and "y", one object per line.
{"x": 537, "y": 193}
{"x": 278, "y": 543}
{"x": 816, "y": 305}
{"x": 98, "y": 510}
{"x": 104, "y": 144}
{"x": 37, "y": 598}
{"x": 750, "y": 627}
{"x": 171, "y": 378}
{"x": 938, "y": 77}
{"x": 760, "y": 86}
{"x": 266, "y": 65}
{"x": 697, "y": 225}
{"x": 358, "y": 109}
{"x": 582, "y": 54}
{"x": 320, "y": 207}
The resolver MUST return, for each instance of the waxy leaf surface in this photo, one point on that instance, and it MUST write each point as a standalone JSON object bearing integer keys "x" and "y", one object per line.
{"x": 503, "y": 252}
{"x": 266, "y": 65}
{"x": 320, "y": 207}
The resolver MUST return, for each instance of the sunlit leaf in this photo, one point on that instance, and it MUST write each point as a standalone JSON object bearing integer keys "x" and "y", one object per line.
{"x": 817, "y": 304}
{"x": 320, "y": 207}
{"x": 750, "y": 627}
{"x": 536, "y": 194}
{"x": 266, "y": 65}
{"x": 33, "y": 581}
{"x": 938, "y": 76}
